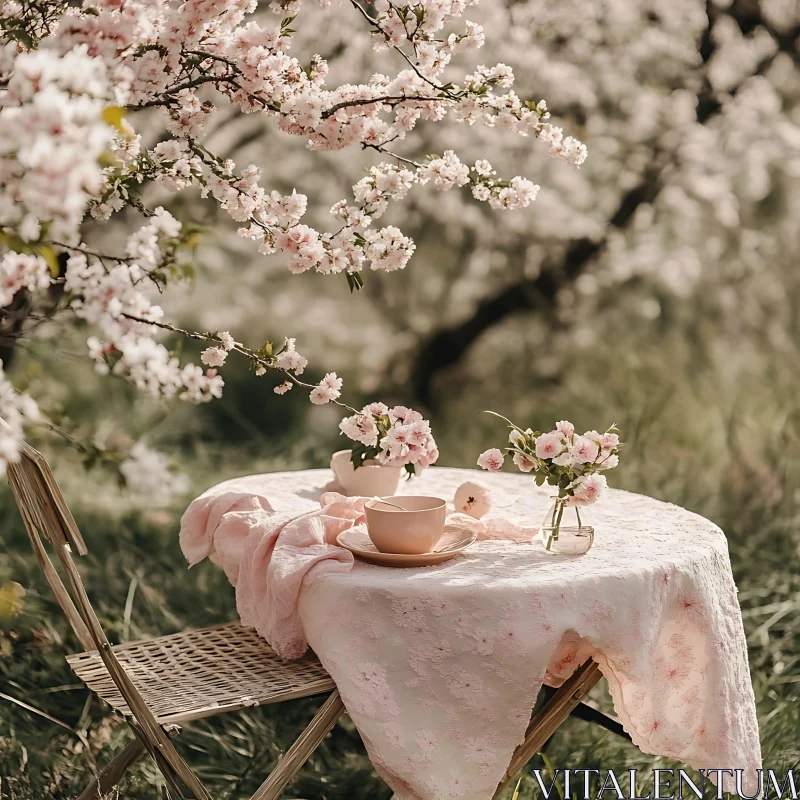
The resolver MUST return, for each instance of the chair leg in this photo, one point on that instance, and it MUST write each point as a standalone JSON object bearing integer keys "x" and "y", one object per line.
{"x": 175, "y": 771}
{"x": 298, "y": 753}
{"x": 545, "y": 723}
{"x": 113, "y": 771}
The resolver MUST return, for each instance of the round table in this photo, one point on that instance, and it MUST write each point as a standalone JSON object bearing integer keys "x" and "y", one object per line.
{"x": 439, "y": 667}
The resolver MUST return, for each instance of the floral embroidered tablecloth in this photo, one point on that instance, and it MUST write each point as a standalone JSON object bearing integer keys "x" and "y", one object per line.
{"x": 439, "y": 667}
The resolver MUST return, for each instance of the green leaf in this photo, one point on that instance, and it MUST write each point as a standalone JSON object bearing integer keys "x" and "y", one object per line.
{"x": 19, "y": 34}
{"x": 48, "y": 254}
{"x": 188, "y": 270}
{"x": 192, "y": 240}
{"x": 112, "y": 358}
{"x": 552, "y": 774}
{"x": 13, "y": 242}
{"x": 11, "y": 595}
{"x": 361, "y": 453}
{"x": 354, "y": 281}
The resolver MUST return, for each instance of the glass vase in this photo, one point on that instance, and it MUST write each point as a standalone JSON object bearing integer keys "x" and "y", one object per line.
{"x": 565, "y": 530}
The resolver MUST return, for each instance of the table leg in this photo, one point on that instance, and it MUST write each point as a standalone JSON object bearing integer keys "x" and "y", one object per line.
{"x": 545, "y": 723}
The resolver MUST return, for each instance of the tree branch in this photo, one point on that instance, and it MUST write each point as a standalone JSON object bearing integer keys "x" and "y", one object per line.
{"x": 387, "y": 100}
{"x": 237, "y": 348}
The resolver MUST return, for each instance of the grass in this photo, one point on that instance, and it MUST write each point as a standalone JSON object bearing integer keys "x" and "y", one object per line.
{"x": 722, "y": 443}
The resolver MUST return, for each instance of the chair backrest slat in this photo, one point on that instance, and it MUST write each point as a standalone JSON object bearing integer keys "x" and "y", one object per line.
{"x": 51, "y": 574}
{"x": 48, "y": 506}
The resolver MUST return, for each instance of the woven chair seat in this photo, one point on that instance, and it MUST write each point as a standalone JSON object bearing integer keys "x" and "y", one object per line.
{"x": 201, "y": 672}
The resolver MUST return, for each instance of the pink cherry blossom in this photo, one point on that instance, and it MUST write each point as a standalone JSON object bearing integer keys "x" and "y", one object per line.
{"x": 565, "y": 427}
{"x": 562, "y": 459}
{"x": 181, "y": 63}
{"x": 584, "y": 450}
{"x": 328, "y": 389}
{"x": 549, "y": 445}
{"x": 360, "y": 428}
{"x": 290, "y": 359}
{"x": 609, "y": 440}
{"x": 395, "y": 437}
{"x": 523, "y": 463}
{"x": 491, "y": 460}
{"x": 214, "y": 356}
{"x": 608, "y": 460}
{"x": 588, "y": 489}
{"x": 20, "y": 271}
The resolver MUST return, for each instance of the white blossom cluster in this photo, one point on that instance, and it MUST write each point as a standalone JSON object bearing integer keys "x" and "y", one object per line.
{"x": 51, "y": 137}
{"x": 707, "y": 153}
{"x": 21, "y": 271}
{"x": 115, "y": 299}
{"x": 149, "y": 476}
{"x": 69, "y": 90}
{"x": 16, "y": 409}
{"x": 162, "y": 55}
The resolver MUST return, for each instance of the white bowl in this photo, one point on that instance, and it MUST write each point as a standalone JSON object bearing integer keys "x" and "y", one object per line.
{"x": 368, "y": 481}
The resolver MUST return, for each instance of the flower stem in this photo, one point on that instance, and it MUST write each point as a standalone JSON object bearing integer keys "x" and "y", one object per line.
{"x": 555, "y": 520}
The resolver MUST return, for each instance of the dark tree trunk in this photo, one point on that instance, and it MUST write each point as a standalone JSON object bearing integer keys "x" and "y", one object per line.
{"x": 447, "y": 346}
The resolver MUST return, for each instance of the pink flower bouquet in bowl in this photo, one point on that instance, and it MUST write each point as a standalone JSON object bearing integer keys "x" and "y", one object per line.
{"x": 388, "y": 443}
{"x": 571, "y": 463}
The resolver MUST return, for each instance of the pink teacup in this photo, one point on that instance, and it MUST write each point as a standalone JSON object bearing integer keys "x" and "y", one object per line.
{"x": 413, "y": 531}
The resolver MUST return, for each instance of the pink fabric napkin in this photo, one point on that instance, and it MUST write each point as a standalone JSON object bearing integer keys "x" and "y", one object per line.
{"x": 269, "y": 555}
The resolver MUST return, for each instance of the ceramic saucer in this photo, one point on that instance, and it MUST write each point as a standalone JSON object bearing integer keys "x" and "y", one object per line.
{"x": 453, "y": 541}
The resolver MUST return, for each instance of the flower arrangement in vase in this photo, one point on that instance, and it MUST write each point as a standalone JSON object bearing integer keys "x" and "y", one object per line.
{"x": 388, "y": 442}
{"x": 571, "y": 463}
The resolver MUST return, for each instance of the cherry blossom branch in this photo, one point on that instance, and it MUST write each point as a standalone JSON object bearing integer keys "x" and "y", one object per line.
{"x": 251, "y": 355}
{"x": 93, "y": 253}
{"x": 394, "y": 100}
{"x": 160, "y": 56}
{"x": 374, "y": 24}
{"x": 165, "y": 99}
{"x": 379, "y": 148}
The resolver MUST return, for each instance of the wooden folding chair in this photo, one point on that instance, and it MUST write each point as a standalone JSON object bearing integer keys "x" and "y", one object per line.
{"x": 160, "y": 683}
{"x": 157, "y": 684}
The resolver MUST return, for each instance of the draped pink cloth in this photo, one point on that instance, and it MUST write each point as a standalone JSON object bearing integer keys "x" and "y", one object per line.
{"x": 268, "y": 555}
{"x": 439, "y": 667}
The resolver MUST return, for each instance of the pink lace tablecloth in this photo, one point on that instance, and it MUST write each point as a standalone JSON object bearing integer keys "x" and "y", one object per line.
{"x": 439, "y": 667}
